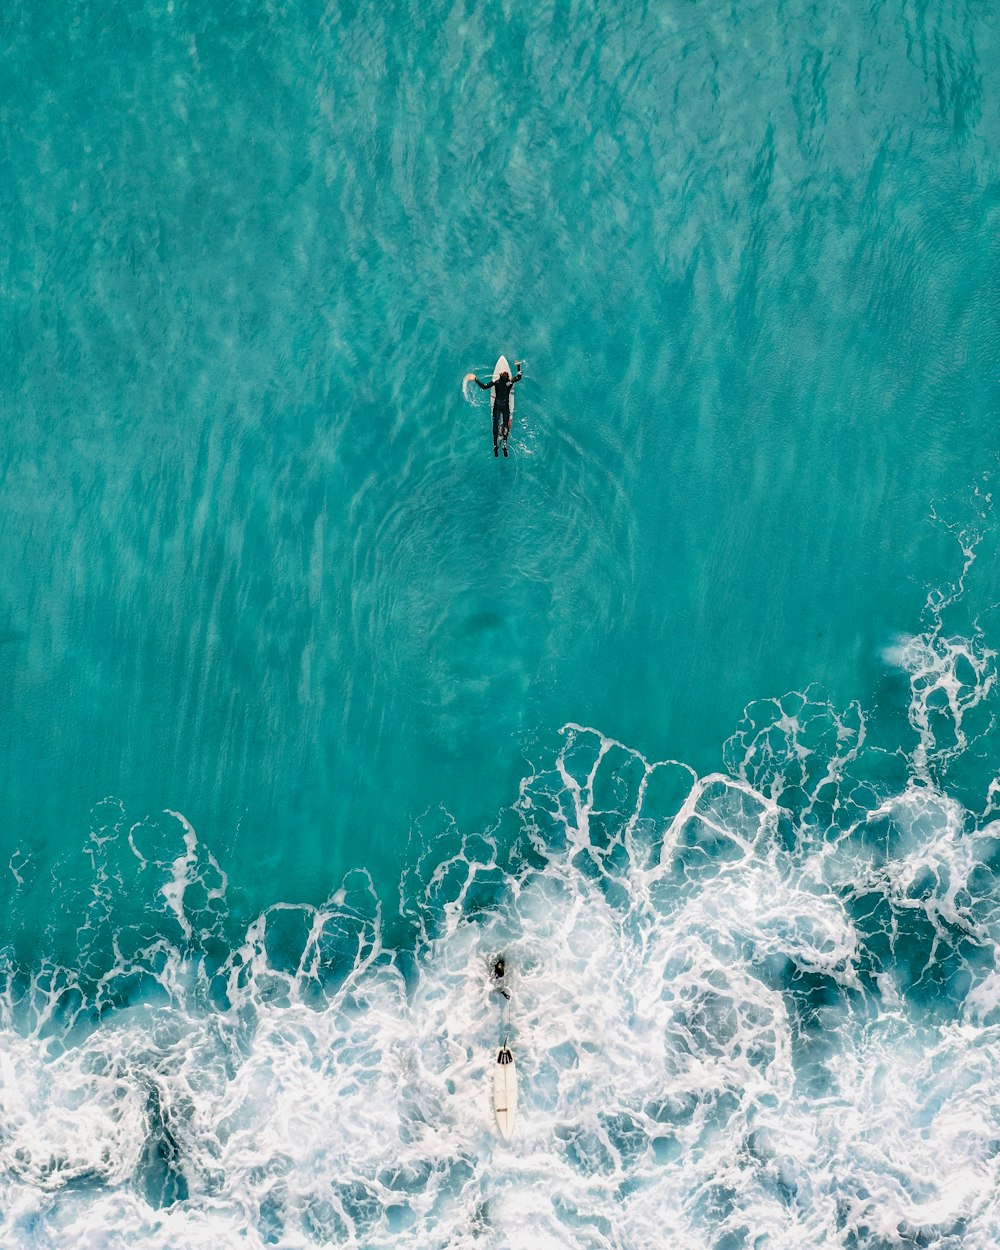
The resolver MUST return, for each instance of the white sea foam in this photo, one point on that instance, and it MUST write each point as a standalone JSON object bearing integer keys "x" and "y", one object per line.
{"x": 951, "y": 679}
{"x": 750, "y": 1008}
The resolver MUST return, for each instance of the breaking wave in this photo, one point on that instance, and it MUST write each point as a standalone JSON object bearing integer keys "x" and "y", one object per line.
{"x": 756, "y": 1006}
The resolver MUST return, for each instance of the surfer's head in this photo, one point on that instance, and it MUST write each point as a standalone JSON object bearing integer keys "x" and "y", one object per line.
{"x": 499, "y": 969}
{"x": 505, "y": 376}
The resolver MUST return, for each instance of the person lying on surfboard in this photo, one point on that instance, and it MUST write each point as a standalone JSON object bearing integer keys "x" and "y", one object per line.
{"x": 502, "y": 387}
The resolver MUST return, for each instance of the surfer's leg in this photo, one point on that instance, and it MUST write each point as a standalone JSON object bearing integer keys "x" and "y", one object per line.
{"x": 496, "y": 430}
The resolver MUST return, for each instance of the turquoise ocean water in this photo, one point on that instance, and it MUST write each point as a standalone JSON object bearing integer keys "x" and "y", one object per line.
{"x": 310, "y": 707}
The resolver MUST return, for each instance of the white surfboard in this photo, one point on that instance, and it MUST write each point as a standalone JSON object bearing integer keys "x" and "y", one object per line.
{"x": 505, "y": 1092}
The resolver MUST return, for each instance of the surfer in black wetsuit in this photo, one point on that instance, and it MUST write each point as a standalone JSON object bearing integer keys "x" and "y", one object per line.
{"x": 499, "y": 973}
{"x": 501, "y": 387}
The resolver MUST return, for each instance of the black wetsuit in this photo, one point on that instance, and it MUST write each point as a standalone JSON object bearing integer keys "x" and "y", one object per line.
{"x": 501, "y": 404}
{"x": 499, "y": 973}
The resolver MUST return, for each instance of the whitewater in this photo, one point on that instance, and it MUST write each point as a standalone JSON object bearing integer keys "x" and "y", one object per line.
{"x": 755, "y": 1007}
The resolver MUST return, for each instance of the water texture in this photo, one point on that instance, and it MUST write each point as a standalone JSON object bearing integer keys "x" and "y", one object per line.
{"x": 309, "y": 707}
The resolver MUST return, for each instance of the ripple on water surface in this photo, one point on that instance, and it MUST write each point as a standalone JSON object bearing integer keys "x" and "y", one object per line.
{"x": 479, "y": 577}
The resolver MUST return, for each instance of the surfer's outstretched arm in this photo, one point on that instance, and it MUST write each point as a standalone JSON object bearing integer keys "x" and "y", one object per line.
{"x": 518, "y": 378}
{"x": 484, "y": 386}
